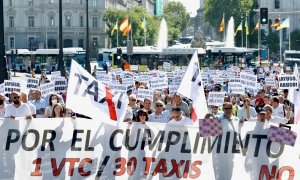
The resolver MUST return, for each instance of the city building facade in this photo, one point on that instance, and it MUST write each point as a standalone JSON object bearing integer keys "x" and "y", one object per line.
{"x": 34, "y": 24}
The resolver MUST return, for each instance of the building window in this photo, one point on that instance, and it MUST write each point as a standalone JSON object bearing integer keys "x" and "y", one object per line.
{"x": 67, "y": 1}
{"x": 95, "y": 24}
{"x": 51, "y": 21}
{"x": 12, "y": 42}
{"x": 81, "y": 21}
{"x": 95, "y": 42}
{"x": 80, "y": 43}
{"x": 31, "y": 21}
{"x": 94, "y": 3}
{"x": 277, "y": 4}
{"x": 68, "y": 21}
{"x": 11, "y": 21}
{"x": 30, "y": 2}
{"x": 11, "y": 2}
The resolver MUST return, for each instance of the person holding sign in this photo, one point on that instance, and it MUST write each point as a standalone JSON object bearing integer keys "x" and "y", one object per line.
{"x": 275, "y": 119}
{"x": 178, "y": 118}
{"x": 17, "y": 108}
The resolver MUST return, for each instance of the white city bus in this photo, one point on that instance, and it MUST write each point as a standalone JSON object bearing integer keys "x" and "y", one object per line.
{"x": 291, "y": 58}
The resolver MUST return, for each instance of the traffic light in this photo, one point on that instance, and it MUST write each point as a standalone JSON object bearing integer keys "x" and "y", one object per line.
{"x": 264, "y": 16}
{"x": 119, "y": 53}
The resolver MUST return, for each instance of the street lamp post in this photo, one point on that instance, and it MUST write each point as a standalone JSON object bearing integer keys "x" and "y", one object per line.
{"x": 61, "y": 64}
{"x": 87, "y": 53}
{"x": 3, "y": 66}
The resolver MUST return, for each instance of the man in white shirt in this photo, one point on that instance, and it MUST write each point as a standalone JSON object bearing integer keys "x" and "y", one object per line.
{"x": 24, "y": 99}
{"x": 2, "y": 105}
{"x": 178, "y": 119}
{"x": 39, "y": 103}
{"x": 276, "y": 119}
{"x": 159, "y": 114}
{"x": 278, "y": 109}
{"x": 17, "y": 108}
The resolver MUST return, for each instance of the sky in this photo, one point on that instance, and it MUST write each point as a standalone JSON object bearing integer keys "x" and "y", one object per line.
{"x": 191, "y": 5}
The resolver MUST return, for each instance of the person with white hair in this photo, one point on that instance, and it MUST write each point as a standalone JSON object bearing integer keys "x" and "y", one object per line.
{"x": 159, "y": 114}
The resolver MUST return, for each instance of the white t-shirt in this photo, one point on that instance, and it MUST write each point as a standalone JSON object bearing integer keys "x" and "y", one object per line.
{"x": 279, "y": 111}
{"x": 2, "y": 110}
{"x": 31, "y": 107}
{"x": 183, "y": 121}
{"x": 22, "y": 111}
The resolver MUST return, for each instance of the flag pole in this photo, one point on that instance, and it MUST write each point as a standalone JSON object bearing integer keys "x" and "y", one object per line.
{"x": 145, "y": 40}
{"x": 289, "y": 32}
{"x": 280, "y": 43}
{"x": 246, "y": 31}
{"x": 117, "y": 32}
{"x": 224, "y": 33}
{"x": 242, "y": 34}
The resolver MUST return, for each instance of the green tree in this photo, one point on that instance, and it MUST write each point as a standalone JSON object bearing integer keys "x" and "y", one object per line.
{"x": 135, "y": 15}
{"x": 273, "y": 41}
{"x": 177, "y": 19}
{"x": 295, "y": 40}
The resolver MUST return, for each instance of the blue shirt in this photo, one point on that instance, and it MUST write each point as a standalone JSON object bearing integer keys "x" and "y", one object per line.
{"x": 163, "y": 117}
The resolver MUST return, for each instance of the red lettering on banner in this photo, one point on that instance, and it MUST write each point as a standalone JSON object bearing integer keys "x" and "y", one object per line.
{"x": 286, "y": 168}
{"x": 37, "y": 170}
{"x": 120, "y": 166}
{"x": 186, "y": 169}
{"x": 176, "y": 168}
{"x": 196, "y": 169}
{"x": 72, "y": 161}
{"x": 148, "y": 164}
{"x": 110, "y": 103}
{"x": 264, "y": 172}
{"x": 81, "y": 166}
{"x": 131, "y": 166}
{"x": 160, "y": 167}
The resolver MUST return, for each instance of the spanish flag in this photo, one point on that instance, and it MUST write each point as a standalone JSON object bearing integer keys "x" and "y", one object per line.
{"x": 124, "y": 24}
{"x": 246, "y": 25}
{"x": 284, "y": 24}
{"x": 143, "y": 25}
{"x": 127, "y": 30}
{"x": 239, "y": 28}
{"x": 276, "y": 24}
{"x": 114, "y": 28}
{"x": 255, "y": 28}
{"x": 221, "y": 27}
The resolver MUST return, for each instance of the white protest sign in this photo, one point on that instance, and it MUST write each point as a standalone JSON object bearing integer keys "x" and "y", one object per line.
{"x": 10, "y": 86}
{"x": 55, "y": 73}
{"x": 145, "y": 94}
{"x": 216, "y": 98}
{"x": 121, "y": 88}
{"x": 170, "y": 74}
{"x": 128, "y": 81}
{"x": 32, "y": 83}
{"x": 270, "y": 82}
{"x": 28, "y": 75}
{"x": 167, "y": 65}
{"x": 235, "y": 87}
{"x": 157, "y": 83}
{"x": 134, "y": 67}
{"x": 2, "y": 88}
{"x": 204, "y": 78}
{"x": 60, "y": 85}
{"x": 100, "y": 75}
{"x": 127, "y": 74}
{"x": 218, "y": 80}
{"x": 143, "y": 78}
{"x": 54, "y": 78}
{"x": 248, "y": 80}
{"x": 288, "y": 82}
{"x": 173, "y": 89}
{"x": 47, "y": 88}
{"x": 117, "y": 71}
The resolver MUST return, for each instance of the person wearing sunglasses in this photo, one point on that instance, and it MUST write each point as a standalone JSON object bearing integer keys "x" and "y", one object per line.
{"x": 159, "y": 115}
{"x": 227, "y": 115}
{"x": 177, "y": 117}
{"x": 17, "y": 108}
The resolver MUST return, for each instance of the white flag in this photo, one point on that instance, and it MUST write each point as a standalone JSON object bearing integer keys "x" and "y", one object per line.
{"x": 90, "y": 97}
{"x": 191, "y": 87}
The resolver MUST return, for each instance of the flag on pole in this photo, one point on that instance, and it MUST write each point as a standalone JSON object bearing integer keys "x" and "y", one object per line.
{"x": 239, "y": 28}
{"x": 256, "y": 27}
{"x": 221, "y": 27}
{"x": 127, "y": 30}
{"x": 191, "y": 87}
{"x": 124, "y": 24}
{"x": 246, "y": 25}
{"x": 284, "y": 24}
{"x": 144, "y": 25}
{"x": 114, "y": 28}
{"x": 276, "y": 23}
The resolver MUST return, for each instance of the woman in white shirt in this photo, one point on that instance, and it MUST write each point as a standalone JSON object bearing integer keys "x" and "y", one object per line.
{"x": 53, "y": 99}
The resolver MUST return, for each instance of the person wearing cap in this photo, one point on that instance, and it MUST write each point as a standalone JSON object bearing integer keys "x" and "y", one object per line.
{"x": 17, "y": 108}
{"x": 261, "y": 116}
{"x": 159, "y": 115}
{"x": 227, "y": 115}
{"x": 178, "y": 102}
{"x": 2, "y": 105}
{"x": 275, "y": 119}
{"x": 247, "y": 112}
{"x": 178, "y": 118}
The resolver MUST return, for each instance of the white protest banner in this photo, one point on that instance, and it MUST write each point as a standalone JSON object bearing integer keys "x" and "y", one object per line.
{"x": 10, "y": 86}
{"x": 117, "y": 71}
{"x": 288, "y": 82}
{"x": 101, "y": 75}
{"x": 145, "y": 94}
{"x": 177, "y": 79}
{"x": 205, "y": 78}
{"x": 216, "y": 98}
{"x": 235, "y": 87}
{"x": 270, "y": 82}
{"x": 90, "y": 149}
{"x": 90, "y": 97}
{"x": 32, "y": 83}
{"x": 121, "y": 88}
{"x": 55, "y": 73}
{"x": 47, "y": 88}
{"x": 127, "y": 74}
{"x": 60, "y": 85}
{"x": 157, "y": 83}
{"x": 128, "y": 81}
{"x": 173, "y": 89}
{"x": 2, "y": 88}
{"x": 218, "y": 80}
{"x": 170, "y": 74}
{"x": 54, "y": 78}
{"x": 167, "y": 65}
{"x": 248, "y": 80}
{"x": 134, "y": 67}
{"x": 28, "y": 75}
{"x": 143, "y": 78}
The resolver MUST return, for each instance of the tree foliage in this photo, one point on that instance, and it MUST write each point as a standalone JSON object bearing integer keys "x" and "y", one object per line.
{"x": 295, "y": 40}
{"x": 135, "y": 15}
{"x": 273, "y": 41}
{"x": 177, "y": 19}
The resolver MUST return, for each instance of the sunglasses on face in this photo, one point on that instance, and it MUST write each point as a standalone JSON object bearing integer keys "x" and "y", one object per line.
{"x": 133, "y": 100}
{"x": 143, "y": 115}
{"x": 215, "y": 107}
{"x": 227, "y": 108}
{"x": 159, "y": 105}
{"x": 17, "y": 97}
